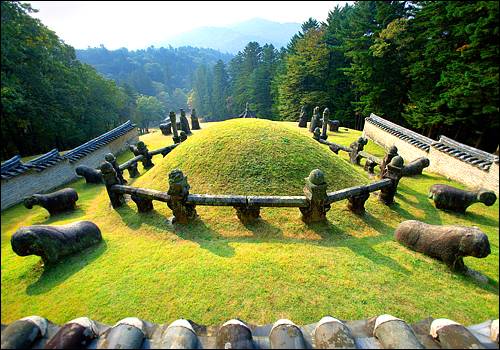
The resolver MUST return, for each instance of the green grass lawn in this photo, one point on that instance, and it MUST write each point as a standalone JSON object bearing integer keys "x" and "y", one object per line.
{"x": 216, "y": 268}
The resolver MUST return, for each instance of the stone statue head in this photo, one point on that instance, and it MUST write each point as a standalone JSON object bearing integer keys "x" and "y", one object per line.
{"x": 474, "y": 243}
{"x": 183, "y": 113}
{"x": 487, "y": 197}
{"x": 182, "y": 135}
{"x": 193, "y": 112}
{"x": 107, "y": 168}
{"x": 303, "y": 110}
{"x": 393, "y": 151}
{"x": 25, "y": 242}
{"x": 316, "y": 110}
{"x": 29, "y": 202}
{"x": 362, "y": 140}
{"x": 317, "y": 132}
{"x": 316, "y": 177}
{"x": 141, "y": 145}
{"x": 109, "y": 157}
{"x": 397, "y": 162}
{"x": 326, "y": 112}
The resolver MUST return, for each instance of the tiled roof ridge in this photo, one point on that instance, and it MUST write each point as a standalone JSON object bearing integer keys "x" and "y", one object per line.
{"x": 14, "y": 166}
{"x": 465, "y": 153}
{"x": 403, "y": 133}
{"x": 384, "y": 331}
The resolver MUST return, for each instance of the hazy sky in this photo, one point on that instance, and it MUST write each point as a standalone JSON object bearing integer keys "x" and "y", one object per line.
{"x": 141, "y": 24}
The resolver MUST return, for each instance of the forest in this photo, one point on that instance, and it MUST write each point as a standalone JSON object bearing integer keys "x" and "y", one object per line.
{"x": 428, "y": 65}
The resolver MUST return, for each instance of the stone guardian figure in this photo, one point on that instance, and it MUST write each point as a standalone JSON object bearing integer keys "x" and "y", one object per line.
{"x": 315, "y": 120}
{"x": 303, "y": 118}
{"x": 195, "y": 124}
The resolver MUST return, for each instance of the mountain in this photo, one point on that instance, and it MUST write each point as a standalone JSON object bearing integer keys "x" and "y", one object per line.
{"x": 234, "y": 38}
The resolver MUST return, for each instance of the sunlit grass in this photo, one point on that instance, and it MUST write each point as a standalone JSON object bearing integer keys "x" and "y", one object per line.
{"x": 216, "y": 268}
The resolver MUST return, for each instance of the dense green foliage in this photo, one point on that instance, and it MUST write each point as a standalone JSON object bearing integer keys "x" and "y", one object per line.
{"x": 427, "y": 65}
{"x": 49, "y": 98}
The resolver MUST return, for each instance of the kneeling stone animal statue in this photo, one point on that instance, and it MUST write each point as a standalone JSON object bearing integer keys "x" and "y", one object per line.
{"x": 449, "y": 244}
{"x": 454, "y": 199}
{"x": 55, "y": 202}
{"x": 52, "y": 243}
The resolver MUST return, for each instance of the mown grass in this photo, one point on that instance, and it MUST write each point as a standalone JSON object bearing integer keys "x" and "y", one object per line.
{"x": 216, "y": 268}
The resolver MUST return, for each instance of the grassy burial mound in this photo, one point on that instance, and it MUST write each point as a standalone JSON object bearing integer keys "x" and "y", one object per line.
{"x": 251, "y": 157}
{"x": 216, "y": 268}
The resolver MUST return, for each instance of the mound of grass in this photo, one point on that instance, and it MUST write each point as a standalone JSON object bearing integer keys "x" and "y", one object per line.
{"x": 251, "y": 157}
{"x": 215, "y": 268}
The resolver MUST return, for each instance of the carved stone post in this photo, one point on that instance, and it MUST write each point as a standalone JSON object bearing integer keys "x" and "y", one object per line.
{"x": 173, "y": 122}
{"x": 178, "y": 191}
{"x": 356, "y": 147}
{"x": 356, "y": 204}
{"x": 110, "y": 158}
{"x": 142, "y": 149}
{"x": 195, "y": 123}
{"x": 393, "y": 172}
{"x": 315, "y": 122}
{"x": 315, "y": 191}
{"x": 182, "y": 136}
{"x": 326, "y": 114}
{"x": 393, "y": 152}
{"x": 143, "y": 204}
{"x": 247, "y": 214}
{"x": 132, "y": 170}
{"x": 303, "y": 118}
{"x": 109, "y": 178}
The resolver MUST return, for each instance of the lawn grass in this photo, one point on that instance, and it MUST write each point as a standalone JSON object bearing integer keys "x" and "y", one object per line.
{"x": 216, "y": 268}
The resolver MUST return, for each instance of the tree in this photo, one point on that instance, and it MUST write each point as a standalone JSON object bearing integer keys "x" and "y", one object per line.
{"x": 149, "y": 109}
{"x": 220, "y": 90}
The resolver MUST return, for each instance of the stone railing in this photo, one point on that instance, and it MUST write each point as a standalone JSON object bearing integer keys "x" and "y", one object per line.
{"x": 447, "y": 157}
{"x": 313, "y": 204}
{"x": 380, "y": 332}
{"x": 52, "y": 169}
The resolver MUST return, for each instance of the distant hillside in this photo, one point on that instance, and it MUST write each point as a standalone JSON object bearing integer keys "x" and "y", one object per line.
{"x": 152, "y": 70}
{"x": 234, "y": 38}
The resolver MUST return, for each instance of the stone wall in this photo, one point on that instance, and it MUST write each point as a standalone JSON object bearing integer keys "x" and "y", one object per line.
{"x": 61, "y": 171}
{"x": 470, "y": 166}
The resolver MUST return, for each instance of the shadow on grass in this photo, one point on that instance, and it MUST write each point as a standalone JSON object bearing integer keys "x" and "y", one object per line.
{"x": 431, "y": 213}
{"x": 53, "y": 275}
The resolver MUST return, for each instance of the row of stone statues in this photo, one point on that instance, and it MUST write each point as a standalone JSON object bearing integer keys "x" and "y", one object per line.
{"x": 318, "y": 122}
{"x": 182, "y": 124}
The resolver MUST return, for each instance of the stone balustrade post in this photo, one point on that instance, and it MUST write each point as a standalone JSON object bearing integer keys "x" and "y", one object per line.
{"x": 356, "y": 204}
{"x": 110, "y": 179}
{"x": 247, "y": 214}
{"x": 132, "y": 170}
{"x": 356, "y": 147}
{"x": 393, "y": 171}
{"x": 315, "y": 192}
{"x": 143, "y": 204}
{"x": 178, "y": 191}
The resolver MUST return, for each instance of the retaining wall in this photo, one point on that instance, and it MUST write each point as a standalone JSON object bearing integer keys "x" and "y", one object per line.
{"x": 454, "y": 160}
{"x": 52, "y": 169}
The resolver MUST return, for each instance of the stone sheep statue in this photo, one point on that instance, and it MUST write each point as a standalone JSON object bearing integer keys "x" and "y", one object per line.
{"x": 415, "y": 167}
{"x": 52, "y": 243}
{"x": 449, "y": 244}
{"x": 91, "y": 175}
{"x": 454, "y": 199}
{"x": 55, "y": 202}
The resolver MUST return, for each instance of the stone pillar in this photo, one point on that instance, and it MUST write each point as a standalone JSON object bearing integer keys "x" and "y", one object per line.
{"x": 143, "y": 204}
{"x": 110, "y": 158}
{"x": 247, "y": 214}
{"x": 173, "y": 122}
{"x": 132, "y": 170}
{"x": 195, "y": 123}
{"x": 315, "y": 191}
{"x": 326, "y": 114}
{"x": 303, "y": 118}
{"x": 393, "y": 172}
{"x": 110, "y": 179}
{"x": 178, "y": 191}
{"x": 356, "y": 204}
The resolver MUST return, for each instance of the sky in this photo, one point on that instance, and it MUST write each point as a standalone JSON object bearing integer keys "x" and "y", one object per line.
{"x": 137, "y": 25}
